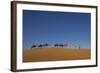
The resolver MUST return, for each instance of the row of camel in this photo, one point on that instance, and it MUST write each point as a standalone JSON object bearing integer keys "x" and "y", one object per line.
{"x": 56, "y": 45}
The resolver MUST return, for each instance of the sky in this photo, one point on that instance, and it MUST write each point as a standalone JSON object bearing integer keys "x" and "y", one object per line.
{"x": 56, "y": 27}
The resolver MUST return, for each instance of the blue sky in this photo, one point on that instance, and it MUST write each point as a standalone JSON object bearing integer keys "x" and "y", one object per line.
{"x": 56, "y": 27}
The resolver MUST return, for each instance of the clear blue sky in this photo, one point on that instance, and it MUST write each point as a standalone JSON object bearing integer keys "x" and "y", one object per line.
{"x": 56, "y": 27}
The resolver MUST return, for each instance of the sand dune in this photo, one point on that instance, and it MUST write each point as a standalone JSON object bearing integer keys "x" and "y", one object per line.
{"x": 53, "y": 54}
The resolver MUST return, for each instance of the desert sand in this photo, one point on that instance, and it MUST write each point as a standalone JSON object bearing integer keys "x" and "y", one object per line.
{"x": 55, "y": 54}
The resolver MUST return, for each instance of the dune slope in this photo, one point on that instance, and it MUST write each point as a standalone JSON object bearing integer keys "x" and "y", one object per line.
{"x": 53, "y": 54}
